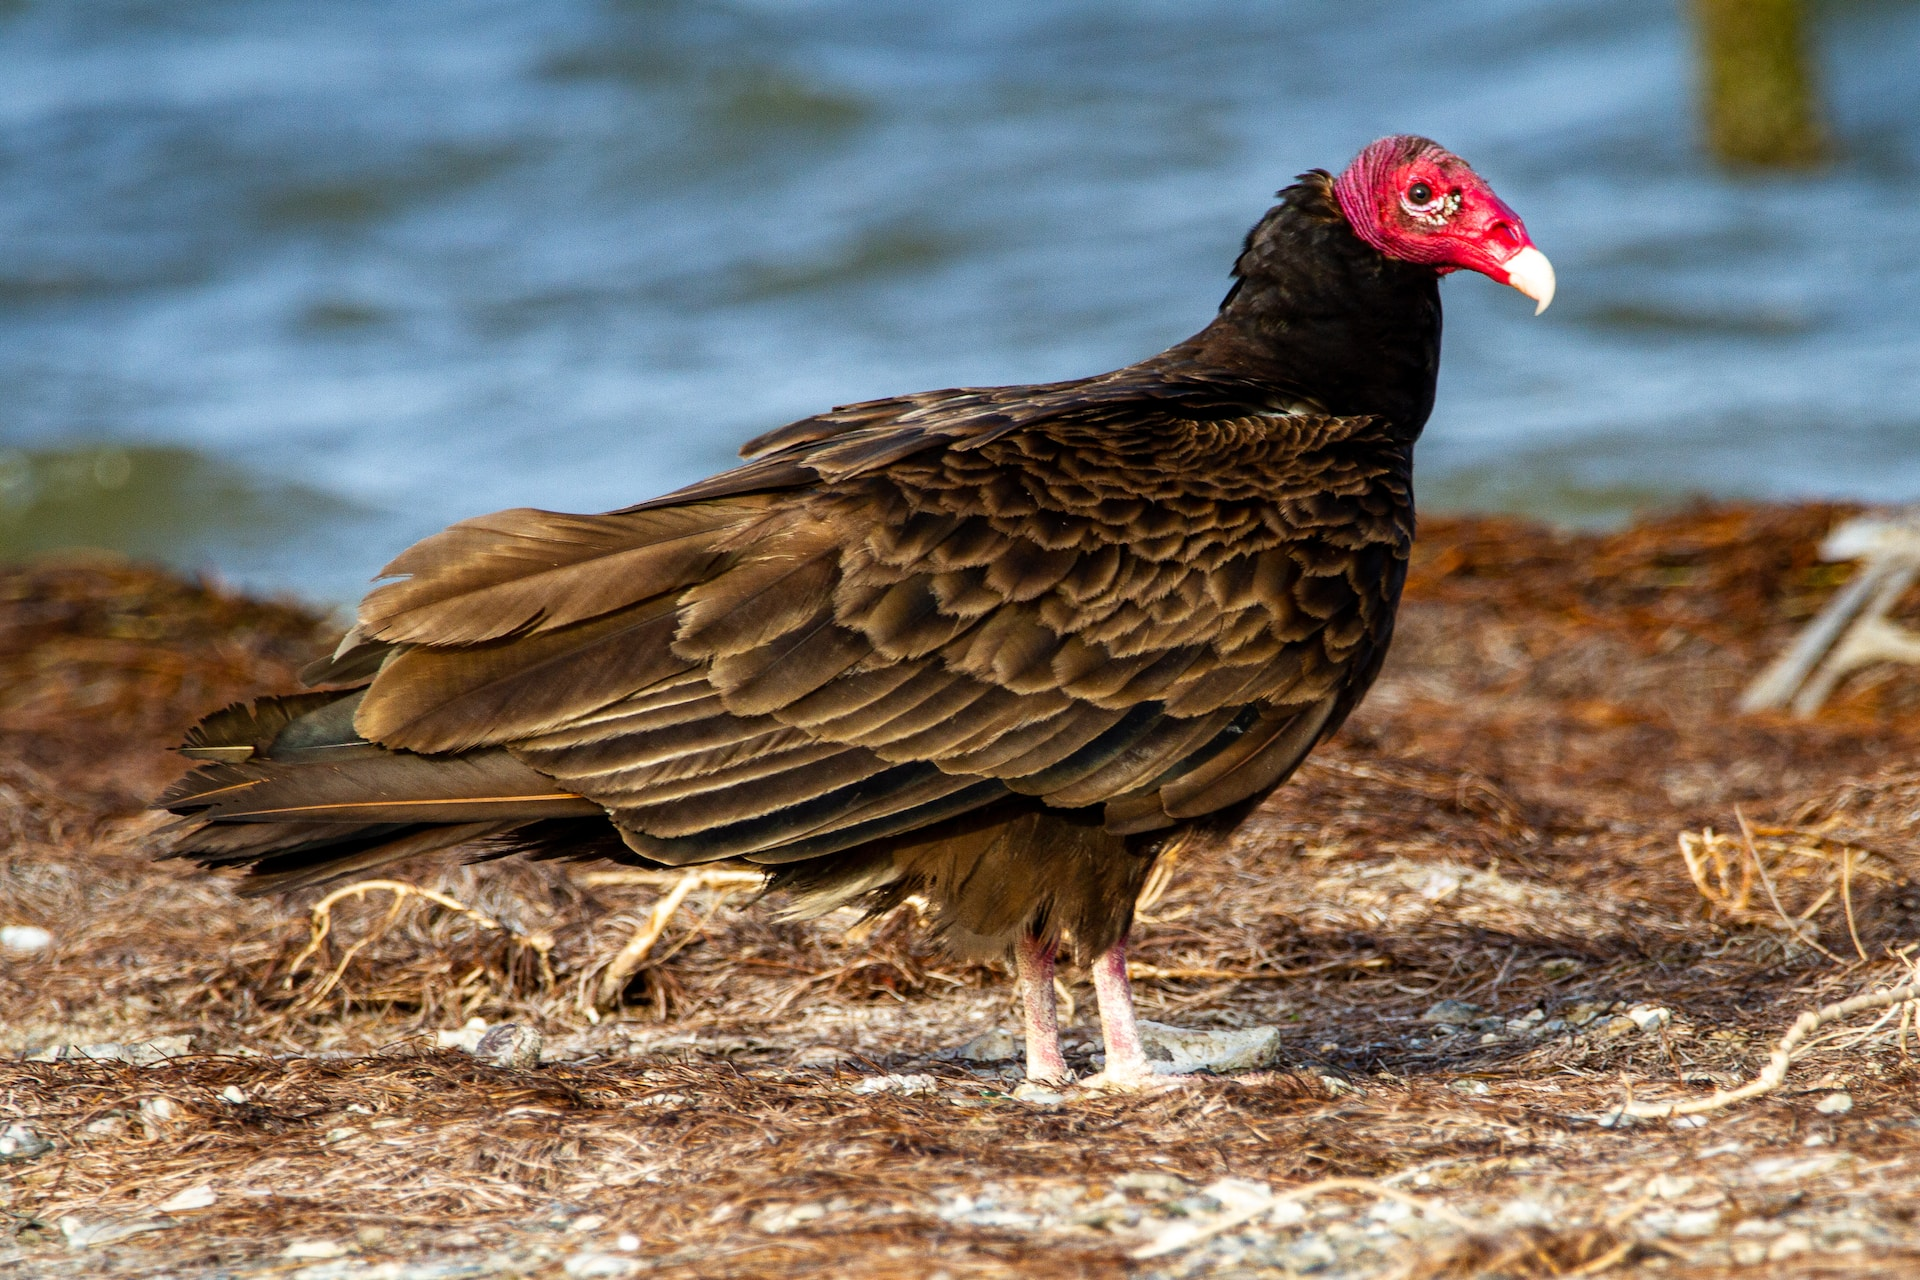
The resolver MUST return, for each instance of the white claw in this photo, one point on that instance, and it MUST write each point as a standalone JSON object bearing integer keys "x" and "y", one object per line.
{"x": 1531, "y": 273}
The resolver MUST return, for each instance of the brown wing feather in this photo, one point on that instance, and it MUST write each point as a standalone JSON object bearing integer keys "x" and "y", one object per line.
{"x": 247, "y": 729}
{"x": 1071, "y": 594}
{"x": 303, "y": 868}
{"x": 373, "y": 786}
{"x": 444, "y": 699}
{"x": 1057, "y": 610}
{"x": 1140, "y": 761}
{"x": 535, "y": 570}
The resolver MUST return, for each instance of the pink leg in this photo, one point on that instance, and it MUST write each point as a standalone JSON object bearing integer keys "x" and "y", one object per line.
{"x": 1033, "y": 961}
{"x": 1126, "y": 1059}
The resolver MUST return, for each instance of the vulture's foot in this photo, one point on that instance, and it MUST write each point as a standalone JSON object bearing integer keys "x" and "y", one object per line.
{"x": 1148, "y": 1057}
{"x": 1134, "y": 1079}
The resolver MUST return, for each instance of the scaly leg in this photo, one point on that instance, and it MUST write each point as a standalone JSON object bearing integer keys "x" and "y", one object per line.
{"x": 1118, "y": 1027}
{"x": 1033, "y": 962}
{"x": 1127, "y": 1066}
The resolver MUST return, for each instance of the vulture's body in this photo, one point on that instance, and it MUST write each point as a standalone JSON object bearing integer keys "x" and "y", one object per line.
{"x": 991, "y": 647}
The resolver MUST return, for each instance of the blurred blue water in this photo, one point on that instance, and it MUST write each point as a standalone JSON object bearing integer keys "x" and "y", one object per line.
{"x": 283, "y": 286}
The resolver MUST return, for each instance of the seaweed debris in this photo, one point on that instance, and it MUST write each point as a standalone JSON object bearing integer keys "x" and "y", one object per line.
{"x": 1545, "y": 882}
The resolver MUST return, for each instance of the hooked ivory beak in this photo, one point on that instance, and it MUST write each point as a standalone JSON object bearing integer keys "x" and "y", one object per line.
{"x": 1531, "y": 273}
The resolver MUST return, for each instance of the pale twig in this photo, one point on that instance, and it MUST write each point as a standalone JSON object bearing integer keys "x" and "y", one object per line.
{"x": 1140, "y": 972}
{"x": 1909, "y": 1013}
{"x": 1866, "y": 1034}
{"x": 1607, "y": 1259}
{"x": 627, "y": 961}
{"x": 1846, "y": 898}
{"x": 1695, "y": 850}
{"x": 322, "y": 925}
{"x": 1705, "y": 864}
{"x": 1802, "y": 930}
{"x": 1775, "y": 1072}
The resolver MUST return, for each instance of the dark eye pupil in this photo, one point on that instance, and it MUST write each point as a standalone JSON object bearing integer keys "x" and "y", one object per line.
{"x": 1420, "y": 193}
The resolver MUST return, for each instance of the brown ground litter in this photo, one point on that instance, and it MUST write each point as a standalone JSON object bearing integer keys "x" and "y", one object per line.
{"x": 1538, "y": 816}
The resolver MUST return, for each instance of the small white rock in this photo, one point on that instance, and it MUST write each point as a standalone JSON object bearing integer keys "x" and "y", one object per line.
{"x": 1451, "y": 1013}
{"x": 1649, "y": 1017}
{"x": 24, "y": 938}
{"x": 1834, "y": 1104}
{"x": 598, "y": 1264}
{"x": 468, "y": 1037}
{"x": 661, "y": 1100}
{"x": 1239, "y": 1194}
{"x": 1668, "y": 1186}
{"x": 17, "y": 1142}
{"x": 628, "y": 1243}
{"x": 910, "y": 1085}
{"x": 1790, "y": 1245}
{"x": 159, "y": 1110}
{"x": 775, "y": 1218}
{"x": 1695, "y": 1224}
{"x": 1216, "y": 1051}
{"x": 314, "y": 1249}
{"x": 822, "y": 1055}
{"x": 511, "y": 1044}
{"x": 192, "y": 1198}
{"x": 995, "y": 1044}
{"x": 84, "y": 1233}
{"x": 1389, "y": 1211}
{"x": 1311, "y": 1253}
{"x": 1527, "y": 1212}
{"x": 588, "y": 1222}
{"x": 234, "y": 1094}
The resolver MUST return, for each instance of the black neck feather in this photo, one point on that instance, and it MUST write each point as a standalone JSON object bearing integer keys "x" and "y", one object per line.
{"x": 1316, "y": 311}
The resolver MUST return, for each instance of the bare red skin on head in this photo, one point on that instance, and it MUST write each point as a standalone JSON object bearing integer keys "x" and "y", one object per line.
{"x": 1463, "y": 225}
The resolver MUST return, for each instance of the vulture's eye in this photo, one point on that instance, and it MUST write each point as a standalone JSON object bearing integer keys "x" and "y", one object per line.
{"x": 1427, "y": 206}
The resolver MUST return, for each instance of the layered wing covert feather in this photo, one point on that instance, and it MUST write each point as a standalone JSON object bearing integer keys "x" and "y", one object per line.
{"x": 1085, "y": 597}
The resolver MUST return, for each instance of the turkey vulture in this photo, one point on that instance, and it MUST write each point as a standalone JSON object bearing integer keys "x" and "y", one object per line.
{"x": 995, "y": 649}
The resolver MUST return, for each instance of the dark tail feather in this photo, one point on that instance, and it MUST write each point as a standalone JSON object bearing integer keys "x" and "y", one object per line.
{"x": 294, "y": 794}
{"x": 566, "y": 839}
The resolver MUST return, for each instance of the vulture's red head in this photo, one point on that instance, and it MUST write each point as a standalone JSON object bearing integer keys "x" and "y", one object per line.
{"x": 1414, "y": 200}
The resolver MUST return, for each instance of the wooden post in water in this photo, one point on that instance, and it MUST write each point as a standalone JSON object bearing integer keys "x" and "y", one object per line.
{"x": 1757, "y": 83}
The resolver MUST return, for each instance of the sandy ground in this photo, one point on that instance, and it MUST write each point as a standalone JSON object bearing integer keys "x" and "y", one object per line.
{"x": 1501, "y": 827}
